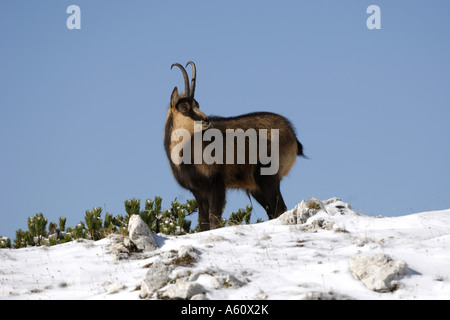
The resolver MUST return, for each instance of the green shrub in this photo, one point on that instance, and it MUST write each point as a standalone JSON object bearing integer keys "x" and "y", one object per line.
{"x": 94, "y": 223}
{"x": 52, "y": 240}
{"x": 67, "y": 238}
{"x": 5, "y": 242}
{"x": 132, "y": 206}
{"x": 23, "y": 239}
{"x": 152, "y": 214}
{"x": 240, "y": 216}
{"x": 173, "y": 220}
{"x": 108, "y": 223}
{"x": 79, "y": 231}
{"x": 170, "y": 221}
{"x": 36, "y": 227}
{"x": 52, "y": 228}
{"x": 62, "y": 223}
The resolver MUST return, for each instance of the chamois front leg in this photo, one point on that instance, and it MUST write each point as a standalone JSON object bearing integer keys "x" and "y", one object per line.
{"x": 203, "y": 211}
{"x": 216, "y": 204}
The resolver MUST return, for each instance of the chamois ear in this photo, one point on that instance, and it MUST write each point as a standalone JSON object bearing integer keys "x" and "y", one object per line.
{"x": 174, "y": 97}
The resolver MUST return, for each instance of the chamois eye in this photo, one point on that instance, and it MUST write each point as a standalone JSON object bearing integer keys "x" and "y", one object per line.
{"x": 183, "y": 108}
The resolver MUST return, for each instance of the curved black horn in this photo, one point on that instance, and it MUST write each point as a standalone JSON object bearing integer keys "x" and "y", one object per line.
{"x": 194, "y": 74}
{"x": 185, "y": 76}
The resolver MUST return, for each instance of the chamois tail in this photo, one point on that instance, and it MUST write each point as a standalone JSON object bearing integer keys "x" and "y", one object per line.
{"x": 300, "y": 150}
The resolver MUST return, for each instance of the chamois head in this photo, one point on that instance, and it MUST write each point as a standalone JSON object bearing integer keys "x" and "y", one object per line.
{"x": 183, "y": 107}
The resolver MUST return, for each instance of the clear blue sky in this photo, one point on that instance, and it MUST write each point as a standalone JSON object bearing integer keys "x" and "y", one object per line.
{"x": 82, "y": 111}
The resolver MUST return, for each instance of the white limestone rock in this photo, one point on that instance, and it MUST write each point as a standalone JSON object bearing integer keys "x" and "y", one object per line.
{"x": 140, "y": 235}
{"x": 377, "y": 272}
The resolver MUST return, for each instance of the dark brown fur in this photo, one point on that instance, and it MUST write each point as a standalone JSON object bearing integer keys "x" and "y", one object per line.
{"x": 208, "y": 183}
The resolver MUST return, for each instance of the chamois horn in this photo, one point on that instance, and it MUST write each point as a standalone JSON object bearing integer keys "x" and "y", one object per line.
{"x": 194, "y": 74}
{"x": 186, "y": 78}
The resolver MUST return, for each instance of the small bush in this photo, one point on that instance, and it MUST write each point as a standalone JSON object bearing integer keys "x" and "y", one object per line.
{"x": 53, "y": 240}
{"x": 173, "y": 220}
{"x": 62, "y": 223}
{"x": 5, "y": 242}
{"x": 241, "y": 216}
{"x": 94, "y": 223}
{"x": 132, "y": 206}
{"x": 79, "y": 232}
{"x": 168, "y": 221}
{"x": 108, "y": 223}
{"x": 313, "y": 204}
{"x": 152, "y": 214}
{"x": 36, "y": 227}
{"x": 23, "y": 239}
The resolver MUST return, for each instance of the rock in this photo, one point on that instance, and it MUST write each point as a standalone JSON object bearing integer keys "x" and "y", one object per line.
{"x": 261, "y": 295}
{"x": 119, "y": 251}
{"x": 116, "y": 287}
{"x": 214, "y": 238}
{"x": 118, "y": 247}
{"x": 157, "y": 277}
{"x": 140, "y": 234}
{"x": 302, "y": 212}
{"x": 190, "y": 250}
{"x": 129, "y": 244}
{"x": 200, "y": 296}
{"x": 198, "y": 272}
{"x": 226, "y": 281}
{"x": 317, "y": 295}
{"x": 331, "y": 200}
{"x": 377, "y": 272}
{"x": 265, "y": 237}
{"x": 335, "y": 206}
{"x": 318, "y": 224}
{"x": 168, "y": 256}
{"x": 183, "y": 289}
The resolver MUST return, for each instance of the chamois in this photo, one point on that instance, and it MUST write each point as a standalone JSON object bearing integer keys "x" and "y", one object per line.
{"x": 209, "y": 180}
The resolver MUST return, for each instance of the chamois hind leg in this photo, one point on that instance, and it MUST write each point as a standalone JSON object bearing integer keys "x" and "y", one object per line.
{"x": 269, "y": 196}
{"x": 278, "y": 204}
{"x": 259, "y": 196}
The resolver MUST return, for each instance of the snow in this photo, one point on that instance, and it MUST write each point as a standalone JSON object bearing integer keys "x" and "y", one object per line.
{"x": 267, "y": 260}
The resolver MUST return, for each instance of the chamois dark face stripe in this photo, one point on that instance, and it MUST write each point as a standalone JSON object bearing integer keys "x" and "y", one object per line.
{"x": 208, "y": 182}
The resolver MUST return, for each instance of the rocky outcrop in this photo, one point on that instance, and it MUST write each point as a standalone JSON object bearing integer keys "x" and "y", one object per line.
{"x": 377, "y": 272}
{"x": 140, "y": 235}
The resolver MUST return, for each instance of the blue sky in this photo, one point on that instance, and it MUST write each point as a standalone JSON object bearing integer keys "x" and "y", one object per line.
{"x": 82, "y": 111}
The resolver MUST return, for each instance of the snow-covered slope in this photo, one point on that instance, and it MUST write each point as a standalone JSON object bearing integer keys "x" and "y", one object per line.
{"x": 270, "y": 260}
